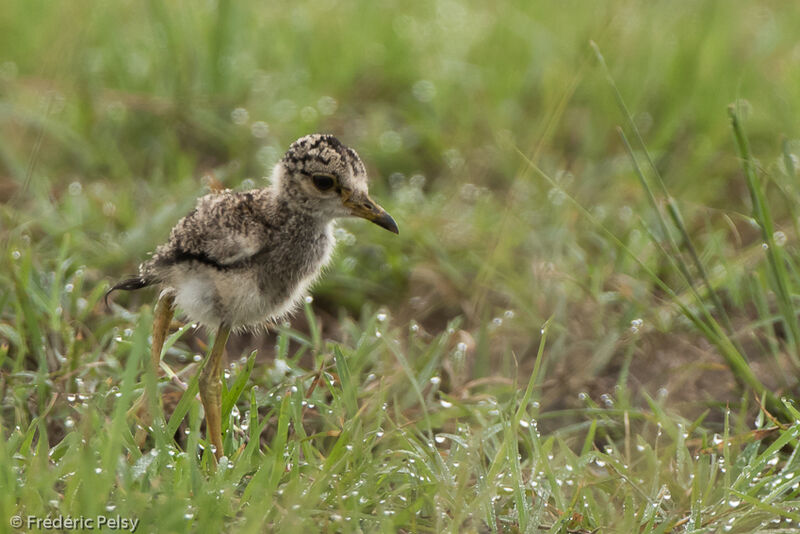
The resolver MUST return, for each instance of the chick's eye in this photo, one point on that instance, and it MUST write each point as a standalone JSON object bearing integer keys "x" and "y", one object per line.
{"x": 322, "y": 182}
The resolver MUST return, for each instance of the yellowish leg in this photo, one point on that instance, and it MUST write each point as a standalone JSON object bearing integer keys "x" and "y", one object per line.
{"x": 162, "y": 317}
{"x": 165, "y": 309}
{"x": 210, "y": 386}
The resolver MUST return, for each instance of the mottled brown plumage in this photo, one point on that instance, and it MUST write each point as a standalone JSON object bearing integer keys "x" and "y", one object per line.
{"x": 243, "y": 259}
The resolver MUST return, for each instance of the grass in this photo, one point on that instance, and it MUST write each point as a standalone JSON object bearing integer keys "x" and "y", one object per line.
{"x": 587, "y": 323}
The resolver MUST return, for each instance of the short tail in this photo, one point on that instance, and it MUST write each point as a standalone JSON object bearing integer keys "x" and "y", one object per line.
{"x": 129, "y": 284}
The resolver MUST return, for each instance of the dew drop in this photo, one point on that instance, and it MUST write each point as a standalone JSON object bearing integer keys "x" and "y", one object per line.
{"x": 327, "y": 105}
{"x": 636, "y": 325}
{"x": 240, "y": 116}
{"x": 424, "y": 90}
{"x": 259, "y": 129}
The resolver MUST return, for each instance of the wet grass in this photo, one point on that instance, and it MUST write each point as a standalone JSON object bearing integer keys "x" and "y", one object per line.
{"x": 587, "y": 323}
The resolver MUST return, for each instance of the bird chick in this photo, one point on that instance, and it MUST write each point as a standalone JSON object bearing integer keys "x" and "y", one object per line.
{"x": 243, "y": 259}
{"x": 246, "y": 258}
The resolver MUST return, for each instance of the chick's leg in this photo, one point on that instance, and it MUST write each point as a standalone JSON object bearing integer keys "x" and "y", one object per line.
{"x": 210, "y": 388}
{"x": 162, "y": 317}
{"x": 165, "y": 309}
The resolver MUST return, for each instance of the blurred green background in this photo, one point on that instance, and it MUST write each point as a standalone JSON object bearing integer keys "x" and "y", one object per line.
{"x": 116, "y": 116}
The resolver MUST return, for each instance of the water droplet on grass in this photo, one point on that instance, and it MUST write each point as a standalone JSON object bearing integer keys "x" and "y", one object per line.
{"x": 240, "y": 116}
{"x": 327, "y": 105}
{"x": 308, "y": 114}
{"x": 390, "y": 141}
{"x": 259, "y": 129}
{"x": 556, "y": 196}
{"x": 424, "y": 90}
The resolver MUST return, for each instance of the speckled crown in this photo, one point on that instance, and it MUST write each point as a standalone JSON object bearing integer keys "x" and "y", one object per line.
{"x": 323, "y": 149}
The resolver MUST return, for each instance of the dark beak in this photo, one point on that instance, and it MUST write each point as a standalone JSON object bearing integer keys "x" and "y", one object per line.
{"x": 364, "y": 207}
{"x": 384, "y": 220}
